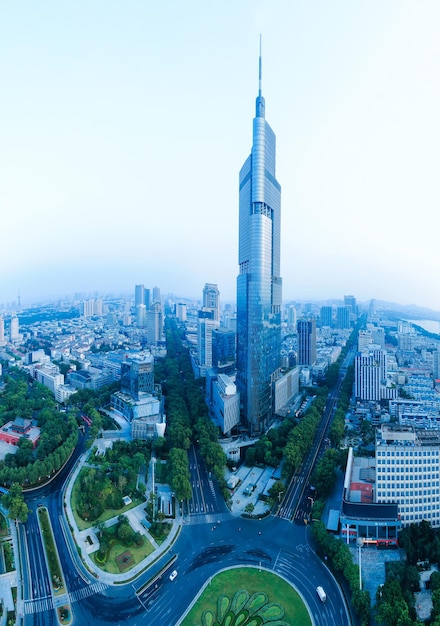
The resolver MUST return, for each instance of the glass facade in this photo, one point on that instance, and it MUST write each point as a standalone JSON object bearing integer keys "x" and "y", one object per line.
{"x": 259, "y": 281}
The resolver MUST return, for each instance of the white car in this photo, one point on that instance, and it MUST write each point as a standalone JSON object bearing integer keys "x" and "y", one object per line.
{"x": 173, "y": 575}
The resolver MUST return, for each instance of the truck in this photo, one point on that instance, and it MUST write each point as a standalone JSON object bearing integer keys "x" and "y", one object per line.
{"x": 321, "y": 594}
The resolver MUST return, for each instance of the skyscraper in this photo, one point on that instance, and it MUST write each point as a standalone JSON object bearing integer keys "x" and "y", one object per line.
{"x": 307, "y": 341}
{"x": 211, "y": 299}
{"x": 259, "y": 281}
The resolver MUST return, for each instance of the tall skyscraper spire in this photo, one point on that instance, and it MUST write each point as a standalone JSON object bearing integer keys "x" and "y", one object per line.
{"x": 260, "y": 104}
{"x": 259, "y": 281}
{"x": 259, "y": 71}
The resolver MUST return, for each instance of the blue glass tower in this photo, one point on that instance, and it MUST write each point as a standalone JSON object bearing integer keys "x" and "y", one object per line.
{"x": 259, "y": 282}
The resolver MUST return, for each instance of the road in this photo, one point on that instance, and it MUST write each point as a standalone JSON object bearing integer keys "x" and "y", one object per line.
{"x": 203, "y": 548}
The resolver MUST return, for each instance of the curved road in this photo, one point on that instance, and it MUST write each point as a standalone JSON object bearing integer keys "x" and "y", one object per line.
{"x": 201, "y": 550}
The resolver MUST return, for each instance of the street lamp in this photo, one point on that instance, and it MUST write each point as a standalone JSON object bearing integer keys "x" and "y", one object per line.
{"x": 360, "y": 543}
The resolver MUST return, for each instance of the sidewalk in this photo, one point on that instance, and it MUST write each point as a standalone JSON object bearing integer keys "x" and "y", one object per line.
{"x": 11, "y": 579}
{"x": 87, "y": 541}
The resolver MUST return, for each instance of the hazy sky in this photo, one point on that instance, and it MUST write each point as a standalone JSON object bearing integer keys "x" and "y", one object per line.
{"x": 124, "y": 126}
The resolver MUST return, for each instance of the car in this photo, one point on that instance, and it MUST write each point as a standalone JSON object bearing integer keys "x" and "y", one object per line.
{"x": 173, "y": 575}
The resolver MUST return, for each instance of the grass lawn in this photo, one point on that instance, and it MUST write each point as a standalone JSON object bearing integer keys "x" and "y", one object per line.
{"x": 108, "y": 513}
{"x": 119, "y": 553}
{"x": 252, "y": 580}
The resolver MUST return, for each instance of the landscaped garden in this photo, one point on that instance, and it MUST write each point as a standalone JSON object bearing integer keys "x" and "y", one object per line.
{"x": 249, "y": 597}
{"x": 100, "y": 487}
{"x": 120, "y": 547}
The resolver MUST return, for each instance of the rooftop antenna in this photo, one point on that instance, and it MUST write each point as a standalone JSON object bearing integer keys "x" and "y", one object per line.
{"x": 259, "y": 71}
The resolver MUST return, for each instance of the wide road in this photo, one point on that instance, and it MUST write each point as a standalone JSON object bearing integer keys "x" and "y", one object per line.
{"x": 203, "y": 548}
{"x": 201, "y": 551}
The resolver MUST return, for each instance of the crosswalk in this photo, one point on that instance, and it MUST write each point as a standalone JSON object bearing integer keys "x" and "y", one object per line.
{"x": 206, "y": 518}
{"x": 40, "y": 605}
{"x": 86, "y": 592}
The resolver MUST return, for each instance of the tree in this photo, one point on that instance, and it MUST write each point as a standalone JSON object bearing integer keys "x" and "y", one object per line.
{"x": 14, "y": 501}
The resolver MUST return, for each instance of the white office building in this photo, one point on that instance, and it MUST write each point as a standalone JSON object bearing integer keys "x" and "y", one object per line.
{"x": 408, "y": 472}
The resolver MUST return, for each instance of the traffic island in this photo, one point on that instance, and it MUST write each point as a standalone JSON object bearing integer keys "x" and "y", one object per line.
{"x": 58, "y": 586}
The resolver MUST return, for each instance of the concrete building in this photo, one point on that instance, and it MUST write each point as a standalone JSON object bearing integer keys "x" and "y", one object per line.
{"x": 211, "y": 300}
{"x": 155, "y": 323}
{"x": 223, "y": 401}
{"x": 181, "y": 311}
{"x": 408, "y": 472}
{"x": 343, "y": 319}
{"x": 206, "y": 324}
{"x": 371, "y": 375}
{"x": 286, "y": 388}
{"x": 14, "y": 330}
{"x": 326, "y": 316}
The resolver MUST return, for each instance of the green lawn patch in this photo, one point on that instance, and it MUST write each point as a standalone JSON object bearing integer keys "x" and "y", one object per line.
{"x": 56, "y": 575}
{"x": 258, "y": 596}
{"x": 121, "y": 558}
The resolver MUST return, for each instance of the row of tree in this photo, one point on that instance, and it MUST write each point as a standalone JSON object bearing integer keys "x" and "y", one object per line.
{"x": 338, "y": 556}
{"x": 24, "y": 397}
{"x": 188, "y": 421}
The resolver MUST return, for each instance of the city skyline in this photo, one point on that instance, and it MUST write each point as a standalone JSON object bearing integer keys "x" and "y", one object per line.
{"x": 120, "y": 122}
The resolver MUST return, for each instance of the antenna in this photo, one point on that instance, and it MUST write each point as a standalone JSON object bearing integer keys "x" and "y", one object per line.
{"x": 259, "y": 71}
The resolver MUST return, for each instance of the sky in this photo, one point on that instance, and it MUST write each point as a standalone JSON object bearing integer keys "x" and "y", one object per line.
{"x": 124, "y": 126}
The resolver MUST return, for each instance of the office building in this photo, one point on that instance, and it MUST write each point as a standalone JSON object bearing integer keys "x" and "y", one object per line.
{"x": 343, "y": 317}
{"x": 259, "y": 282}
{"x": 206, "y": 324}
{"x": 211, "y": 299}
{"x": 223, "y": 350}
{"x": 154, "y": 323}
{"x": 181, "y": 311}
{"x": 365, "y": 339}
{"x": 14, "y": 329}
{"x": 156, "y": 295}
{"x": 408, "y": 471}
{"x": 223, "y": 401}
{"x": 350, "y": 302}
{"x": 370, "y": 372}
{"x": 306, "y": 329}
{"x": 291, "y": 316}
{"x": 137, "y": 375}
{"x": 139, "y": 295}
{"x": 326, "y": 316}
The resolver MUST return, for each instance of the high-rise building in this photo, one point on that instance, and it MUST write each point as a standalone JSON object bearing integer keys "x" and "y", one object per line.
{"x": 343, "y": 317}
{"x": 326, "y": 316}
{"x": 156, "y": 295}
{"x": 211, "y": 299}
{"x": 370, "y": 369}
{"x": 259, "y": 282}
{"x": 223, "y": 350}
{"x": 137, "y": 375}
{"x": 306, "y": 341}
{"x": 154, "y": 323}
{"x": 139, "y": 295}
{"x": 14, "y": 329}
{"x": 350, "y": 301}
{"x": 181, "y": 311}
{"x": 2, "y": 331}
{"x": 205, "y": 325}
